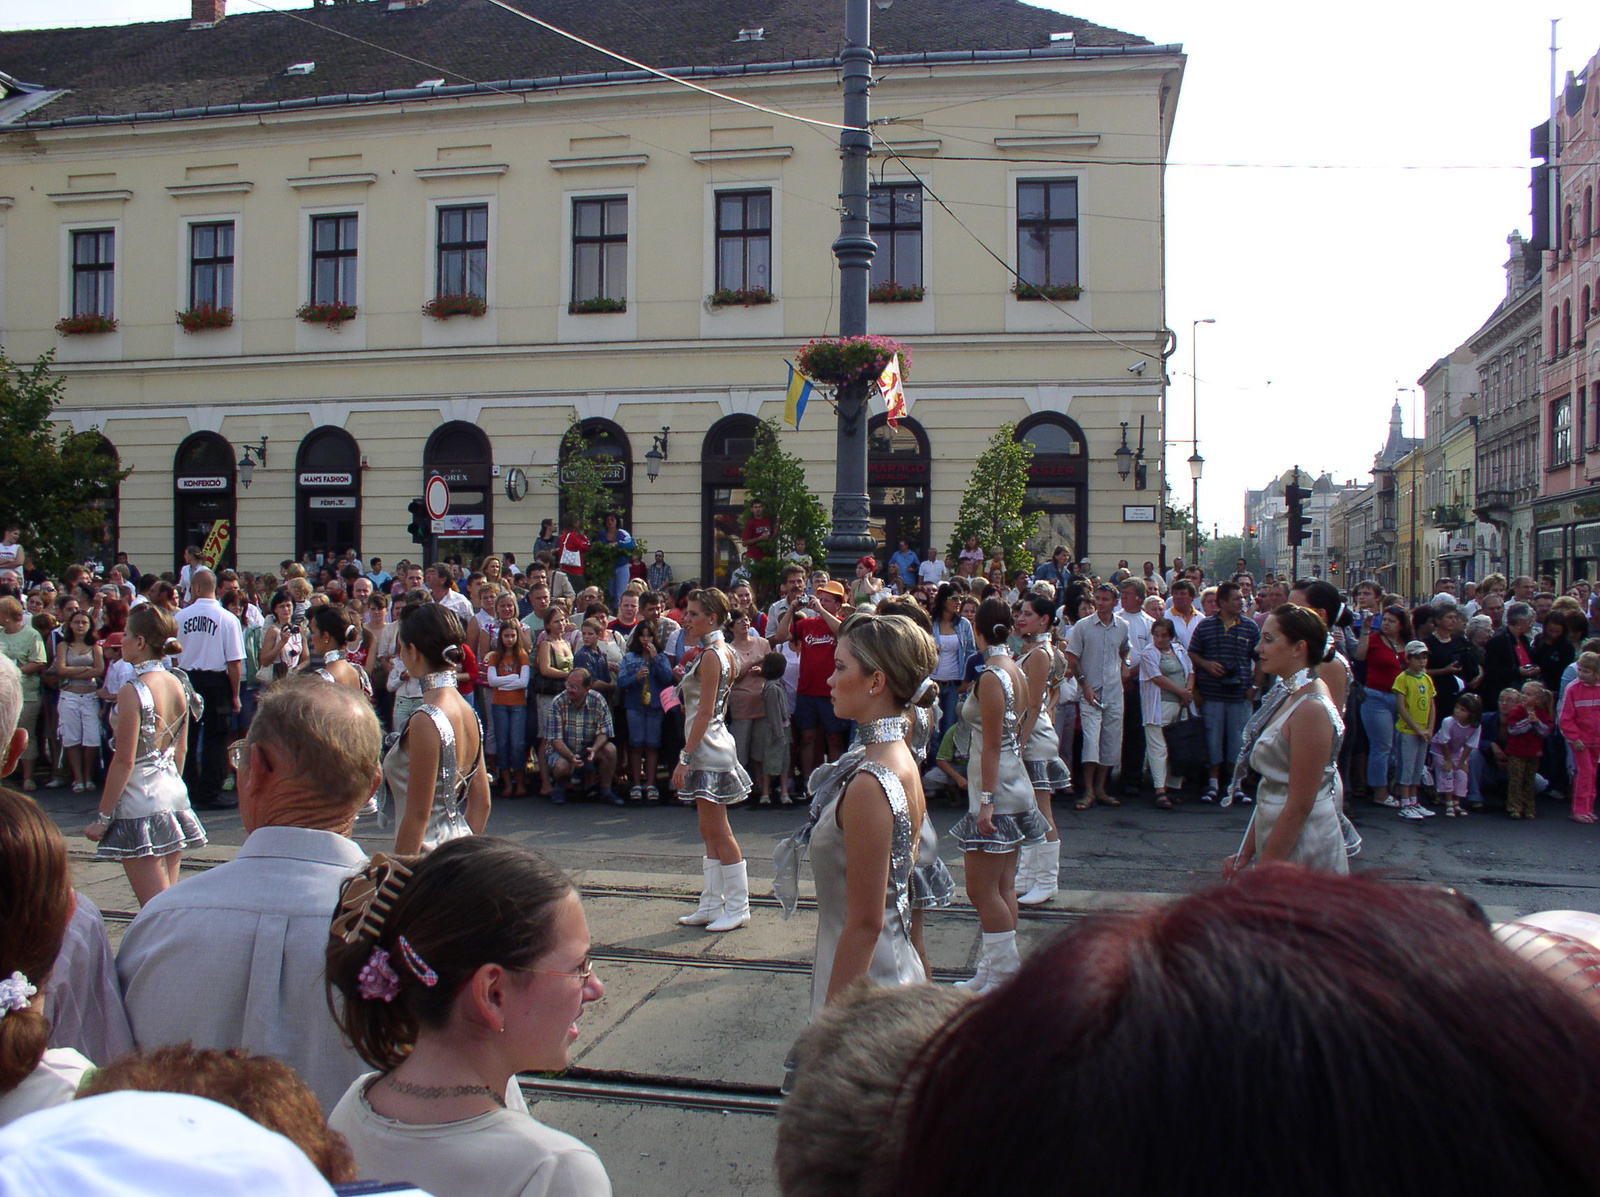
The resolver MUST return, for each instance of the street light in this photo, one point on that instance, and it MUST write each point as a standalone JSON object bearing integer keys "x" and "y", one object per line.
{"x": 1124, "y": 455}
{"x": 247, "y": 465}
{"x": 1196, "y": 462}
{"x": 657, "y": 454}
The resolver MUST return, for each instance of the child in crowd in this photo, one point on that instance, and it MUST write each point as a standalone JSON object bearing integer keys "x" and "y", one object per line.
{"x": 1527, "y": 723}
{"x": 1453, "y": 746}
{"x": 1580, "y": 723}
{"x": 773, "y": 740}
{"x": 950, "y": 764}
{"x": 644, "y": 674}
{"x": 1415, "y": 692}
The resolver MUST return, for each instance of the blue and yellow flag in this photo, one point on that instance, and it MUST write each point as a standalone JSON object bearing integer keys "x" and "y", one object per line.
{"x": 794, "y": 401}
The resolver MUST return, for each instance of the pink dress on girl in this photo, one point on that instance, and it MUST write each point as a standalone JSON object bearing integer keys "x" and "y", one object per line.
{"x": 1580, "y": 720}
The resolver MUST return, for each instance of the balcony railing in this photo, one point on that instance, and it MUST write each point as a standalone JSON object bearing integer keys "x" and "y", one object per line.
{"x": 1448, "y": 515}
{"x": 1496, "y": 498}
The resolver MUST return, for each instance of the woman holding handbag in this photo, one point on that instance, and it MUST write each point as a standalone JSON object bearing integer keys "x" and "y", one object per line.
{"x": 572, "y": 545}
{"x": 1166, "y": 696}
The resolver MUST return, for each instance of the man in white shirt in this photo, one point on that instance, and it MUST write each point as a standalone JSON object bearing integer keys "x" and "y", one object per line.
{"x": 932, "y": 571}
{"x": 1133, "y": 592}
{"x": 234, "y": 957}
{"x": 213, "y": 656}
{"x": 1097, "y": 655}
{"x": 440, "y": 584}
{"x": 794, "y": 582}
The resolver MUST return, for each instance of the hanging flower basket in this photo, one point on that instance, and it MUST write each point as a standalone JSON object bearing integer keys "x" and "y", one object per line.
{"x": 199, "y": 319}
{"x": 1061, "y": 291}
{"x": 893, "y": 292}
{"x": 839, "y": 361}
{"x": 86, "y": 325}
{"x": 600, "y": 303}
{"x": 743, "y": 297}
{"x": 331, "y": 314}
{"x": 442, "y": 307}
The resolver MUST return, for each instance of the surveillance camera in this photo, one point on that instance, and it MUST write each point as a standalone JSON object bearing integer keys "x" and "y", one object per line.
{"x": 1137, "y": 368}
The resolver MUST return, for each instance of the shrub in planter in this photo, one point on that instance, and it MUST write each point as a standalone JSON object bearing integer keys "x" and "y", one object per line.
{"x": 201, "y": 318}
{"x": 893, "y": 292}
{"x": 600, "y": 303}
{"x": 86, "y": 325}
{"x": 1047, "y": 290}
{"x": 331, "y": 314}
{"x": 838, "y": 361}
{"x": 442, "y": 307}
{"x": 745, "y": 297}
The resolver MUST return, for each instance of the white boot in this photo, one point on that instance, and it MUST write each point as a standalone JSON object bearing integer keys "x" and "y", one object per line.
{"x": 980, "y": 978}
{"x": 1046, "y": 876}
{"x": 710, "y": 908}
{"x": 1005, "y": 963}
{"x": 735, "y": 899}
{"x": 1027, "y": 866}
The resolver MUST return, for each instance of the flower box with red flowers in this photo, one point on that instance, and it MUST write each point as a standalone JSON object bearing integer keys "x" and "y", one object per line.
{"x": 893, "y": 292}
{"x": 839, "y": 361}
{"x": 442, "y": 307}
{"x": 86, "y": 325}
{"x": 741, "y": 297}
{"x": 331, "y": 314}
{"x": 597, "y": 304}
{"x": 1061, "y": 291}
{"x": 199, "y": 319}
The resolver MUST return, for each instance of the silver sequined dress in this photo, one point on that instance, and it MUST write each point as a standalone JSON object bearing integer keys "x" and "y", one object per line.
{"x": 153, "y": 816}
{"x": 1042, "y": 753}
{"x": 932, "y": 886}
{"x": 447, "y": 819}
{"x": 715, "y": 773}
{"x": 1016, "y": 815}
{"x": 1322, "y": 840}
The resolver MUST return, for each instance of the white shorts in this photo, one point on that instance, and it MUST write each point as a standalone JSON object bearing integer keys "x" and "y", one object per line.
{"x": 78, "y": 718}
{"x": 1102, "y": 732}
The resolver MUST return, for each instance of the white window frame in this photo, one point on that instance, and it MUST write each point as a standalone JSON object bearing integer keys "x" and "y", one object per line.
{"x": 68, "y": 228}
{"x": 305, "y": 269}
{"x": 430, "y": 241}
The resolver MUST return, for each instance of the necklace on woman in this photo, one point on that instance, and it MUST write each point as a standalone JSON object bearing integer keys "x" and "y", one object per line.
{"x": 332, "y": 655}
{"x": 883, "y": 731}
{"x": 433, "y": 1092}
{"x": 445, "y": 679}
{"x": 996, "y": 650}
{"x": 148, "y": 666}
{"x": 1299, "y": 679}
{"x": 712, "y": 637}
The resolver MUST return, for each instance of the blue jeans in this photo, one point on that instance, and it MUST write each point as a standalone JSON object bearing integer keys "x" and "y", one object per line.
{"x": 510, "y": 735}
{"x": 1224, "y": 722}
{"x": 949, "y": 709}
{"x": 1379, "y": 711}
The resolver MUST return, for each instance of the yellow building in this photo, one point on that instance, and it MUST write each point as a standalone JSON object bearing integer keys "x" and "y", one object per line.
{"x": 260, "y": 163}
{"x": 1412, "y": 530}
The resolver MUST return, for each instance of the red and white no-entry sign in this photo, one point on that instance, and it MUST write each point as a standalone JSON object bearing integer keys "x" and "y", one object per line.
{"x": 436, "y": 495}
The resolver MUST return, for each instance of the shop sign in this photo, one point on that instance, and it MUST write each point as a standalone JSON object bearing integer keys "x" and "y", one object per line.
{"x": 331, "y": 503}
{"x": 1055, "y": 471}
{"x": 1547, "y": 515}
{"x": 202, "y": 484}
{"x": 1138, "y": 515}
{"x": 216, "y": 543}
{"x": 463, "y": 473}
{"x": 611, "y": 471}
{"x": 459, "y": 525}
{"x": 907, "y": 472}
{"x": 327, "y": 479}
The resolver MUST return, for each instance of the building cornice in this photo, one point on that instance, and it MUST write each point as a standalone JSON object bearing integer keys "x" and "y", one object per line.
{"x": 484, "y": 170}
{"x": 187, "y": 189}
{"x": 120, "y": 195}
{"x": 357, "y": 178}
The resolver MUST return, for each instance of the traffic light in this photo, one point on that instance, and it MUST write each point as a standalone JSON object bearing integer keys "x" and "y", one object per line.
{"x": 1252, "y": 531}
{"x": 419, "y": 521}
{"x": 1333, "y": 567}
{"x": 1299, "y": 526}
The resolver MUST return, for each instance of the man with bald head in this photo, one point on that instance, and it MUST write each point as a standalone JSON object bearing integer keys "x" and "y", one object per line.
{"x": 213, "y": 657}
{"x": 233, "y": 957}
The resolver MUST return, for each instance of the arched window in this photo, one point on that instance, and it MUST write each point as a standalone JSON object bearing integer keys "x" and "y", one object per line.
{"x": 460, "y": 454}
{"x": 608, "y": 447}
{"x": 723, "y": 496}
{"x": 1588, "y": 213}
{"x": 899, "y": 478}
{"x": 1584, "y": 309}
{"x": 1058, "y": 484}
{"x": 204, "y": 498}
{"x": 1555, "y": 333}
{"x": 327, "y": 475}
{"x": 1566, "y": 325}
{"x": 100, "y": 543}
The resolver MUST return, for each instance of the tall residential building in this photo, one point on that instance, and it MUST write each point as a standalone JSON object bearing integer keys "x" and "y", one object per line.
{"x": 1507, "y": 349}
{"x": 424, "y": 237}
{"x": 1449, "y": 447}
{"x": 1567, "y": 517}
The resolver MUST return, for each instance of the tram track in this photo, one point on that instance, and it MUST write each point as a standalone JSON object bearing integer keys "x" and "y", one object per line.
{"x": 634, "y": 1088}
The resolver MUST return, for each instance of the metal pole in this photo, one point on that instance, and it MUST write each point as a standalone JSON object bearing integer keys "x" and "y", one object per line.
{"x": 1194, "y": 425}
{"x": 1294, "y": 541}
{"x": 852, "y": 506}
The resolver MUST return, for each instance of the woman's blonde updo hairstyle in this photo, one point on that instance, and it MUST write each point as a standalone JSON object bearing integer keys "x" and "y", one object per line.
{"x": 894, "y": 646}
{"x": 713, "y": 602}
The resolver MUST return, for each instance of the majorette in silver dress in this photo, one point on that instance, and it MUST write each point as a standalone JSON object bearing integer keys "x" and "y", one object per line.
{"x": 447, "y": 819}
{"x": 1042, "y": 753}
{"x": 1016, "y": 815}
{"x": 152, "y": 816}
{"x": 715, "y": 773}
{"x": 894, "y": 959}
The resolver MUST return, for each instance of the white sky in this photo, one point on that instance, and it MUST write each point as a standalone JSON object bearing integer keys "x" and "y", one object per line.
{"x": 1330, "y": 288}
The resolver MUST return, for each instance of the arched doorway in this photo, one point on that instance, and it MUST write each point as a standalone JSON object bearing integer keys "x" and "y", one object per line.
{"x": 327, "y": 494}
{"x": 899, "y": 478}
{"x": 608, "y": 447}
{"x": 460, "y": 453}
{"x": 1058, "y": 484}
{"x": 205, "y": 497}
{"x": 723, "y": 496}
